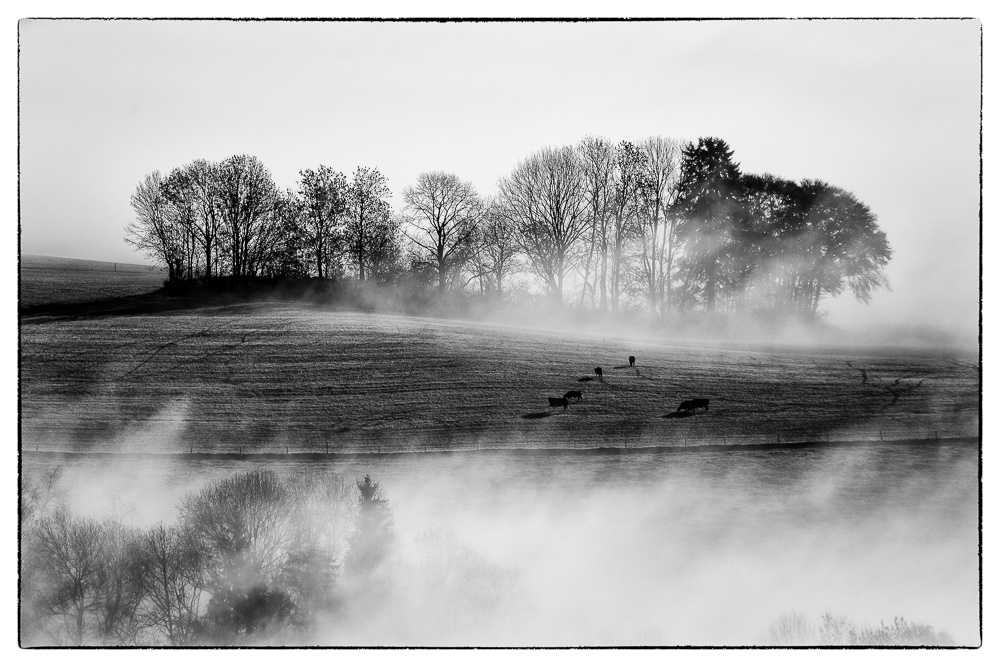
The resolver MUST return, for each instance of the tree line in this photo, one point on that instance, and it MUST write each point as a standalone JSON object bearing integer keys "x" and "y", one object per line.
{"x": 654, "y": 224}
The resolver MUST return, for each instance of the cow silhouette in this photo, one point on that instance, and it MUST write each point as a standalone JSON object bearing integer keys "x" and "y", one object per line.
{"x": 600, "y": 373}
{"x": 631, "y": 362}
{"x": 578, "y": 395}
{"x": 556, "y": 402}
{"x": 693, "y": 405}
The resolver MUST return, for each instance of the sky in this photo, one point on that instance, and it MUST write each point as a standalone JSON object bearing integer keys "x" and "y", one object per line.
{"x": 888, "y": 110}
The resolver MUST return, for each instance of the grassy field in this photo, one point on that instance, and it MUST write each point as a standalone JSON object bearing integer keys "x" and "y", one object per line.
{"x": 59, "y": 280}
{"x": 263, "y": 377}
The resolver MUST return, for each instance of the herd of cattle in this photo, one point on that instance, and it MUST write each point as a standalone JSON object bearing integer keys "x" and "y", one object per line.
{"x": 685, "y": 407}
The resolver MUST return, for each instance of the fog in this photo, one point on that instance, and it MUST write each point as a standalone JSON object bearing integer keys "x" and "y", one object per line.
{"x": 530, "y": 308}
{"x": 633, "y": 549}
{"x": 892, "y": 118}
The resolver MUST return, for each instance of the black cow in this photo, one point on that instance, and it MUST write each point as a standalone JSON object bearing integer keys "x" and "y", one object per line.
{"x": 693, "y": 405}
{"x": 556, "y": 402}
{"x": 578, "y": 395}
{"x": 631, "y": 362}
{"x": 600, "y": 373}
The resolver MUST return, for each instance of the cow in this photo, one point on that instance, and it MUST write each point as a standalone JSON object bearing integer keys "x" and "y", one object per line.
{"x": 631, "y": 362}
{"x": 556, "y": 402}
{"x": 578, "y": 395}
{"x": 693, "y": 405}
{"x": 600, "y": 373}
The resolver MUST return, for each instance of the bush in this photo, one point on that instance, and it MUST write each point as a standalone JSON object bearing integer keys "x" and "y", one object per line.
{"x": 793, "y": 629}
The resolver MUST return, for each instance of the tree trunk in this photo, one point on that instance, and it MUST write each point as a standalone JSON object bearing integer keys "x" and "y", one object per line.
{"x": 710, "y": 286}
{"x": 604, "y": 278}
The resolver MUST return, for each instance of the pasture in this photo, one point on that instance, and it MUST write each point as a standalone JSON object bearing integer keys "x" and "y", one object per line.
{"x": 60, "y": 280}
{"x": 269, "y": 376}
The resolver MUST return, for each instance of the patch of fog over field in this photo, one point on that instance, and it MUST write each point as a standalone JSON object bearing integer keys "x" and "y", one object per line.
{"x": 634, "y": 549}
{"x": 854, "y": 324}
{"x": 704, "y": 329}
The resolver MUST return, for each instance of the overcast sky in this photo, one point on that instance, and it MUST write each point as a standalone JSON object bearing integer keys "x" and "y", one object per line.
{"x": 888, "y": 110}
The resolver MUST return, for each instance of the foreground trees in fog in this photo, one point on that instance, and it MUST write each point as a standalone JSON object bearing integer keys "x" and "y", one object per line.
{"x": 648, "y": 225}
{"x": 252, "y": 556}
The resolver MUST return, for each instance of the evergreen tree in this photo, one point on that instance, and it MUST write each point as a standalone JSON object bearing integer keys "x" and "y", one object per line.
{"x": 373, "y": 532}
{"x": 709, "y": 211}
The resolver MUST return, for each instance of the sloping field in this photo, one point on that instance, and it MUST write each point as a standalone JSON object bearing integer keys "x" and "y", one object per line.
{"x": 59, "y": 280}
{"x": 265, "y": 377}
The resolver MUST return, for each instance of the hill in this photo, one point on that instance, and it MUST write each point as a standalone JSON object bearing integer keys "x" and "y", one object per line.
{"x": 45, "y": 280}
{"x": 262, "y": 377}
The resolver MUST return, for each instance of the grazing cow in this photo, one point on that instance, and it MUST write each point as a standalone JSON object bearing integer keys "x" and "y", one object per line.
{"x": 600, "y": 373}
{"x": 685, "y": 406}
{"x": 578, "y": 395}
{"x": 631, "y": 362}
{"x": 556, "y": 402}
{"x": 700, "y": 403}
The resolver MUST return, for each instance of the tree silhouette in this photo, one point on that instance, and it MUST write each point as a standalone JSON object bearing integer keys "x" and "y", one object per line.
{"x": 373, "y": 534}
{"x": 445, "y": 212}
{"x": 708, "y": 208}
{"x": 323, "y": 195}
{"x": 544, "y": 198}
{"x": 368, "y": 213}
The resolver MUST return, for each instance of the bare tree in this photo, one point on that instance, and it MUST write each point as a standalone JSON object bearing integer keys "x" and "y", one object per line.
{"x": 544, "y": 198}
{"x": 626, "y": 182}
{"x": 119, "y": 585}
{"x": 204, "y": 181}
{"x": 170, "y": 572}
{"x": 242, "y": 522}
{"x": 324, "y": 203}
{"x": 657, "y": 192}
{"x": 193, "y": 194}
{"x": 385, "y": 247}
{"x": 61, "y": 571}
{"x": 154, "y": 230}
{"x": 247, "y": 196}
{"x": 445, "y": 211}
{"x": 598, "y": 157}
{"x": 367, "y": 208}
{"x": 496, "y": 248}
{"x": 182, "y": 210}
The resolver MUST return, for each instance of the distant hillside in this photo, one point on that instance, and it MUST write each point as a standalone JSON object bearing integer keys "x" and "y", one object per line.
{"x": 45, "y": 279}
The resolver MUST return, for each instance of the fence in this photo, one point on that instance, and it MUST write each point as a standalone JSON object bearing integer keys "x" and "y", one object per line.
{"x": 315, "y": 445}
